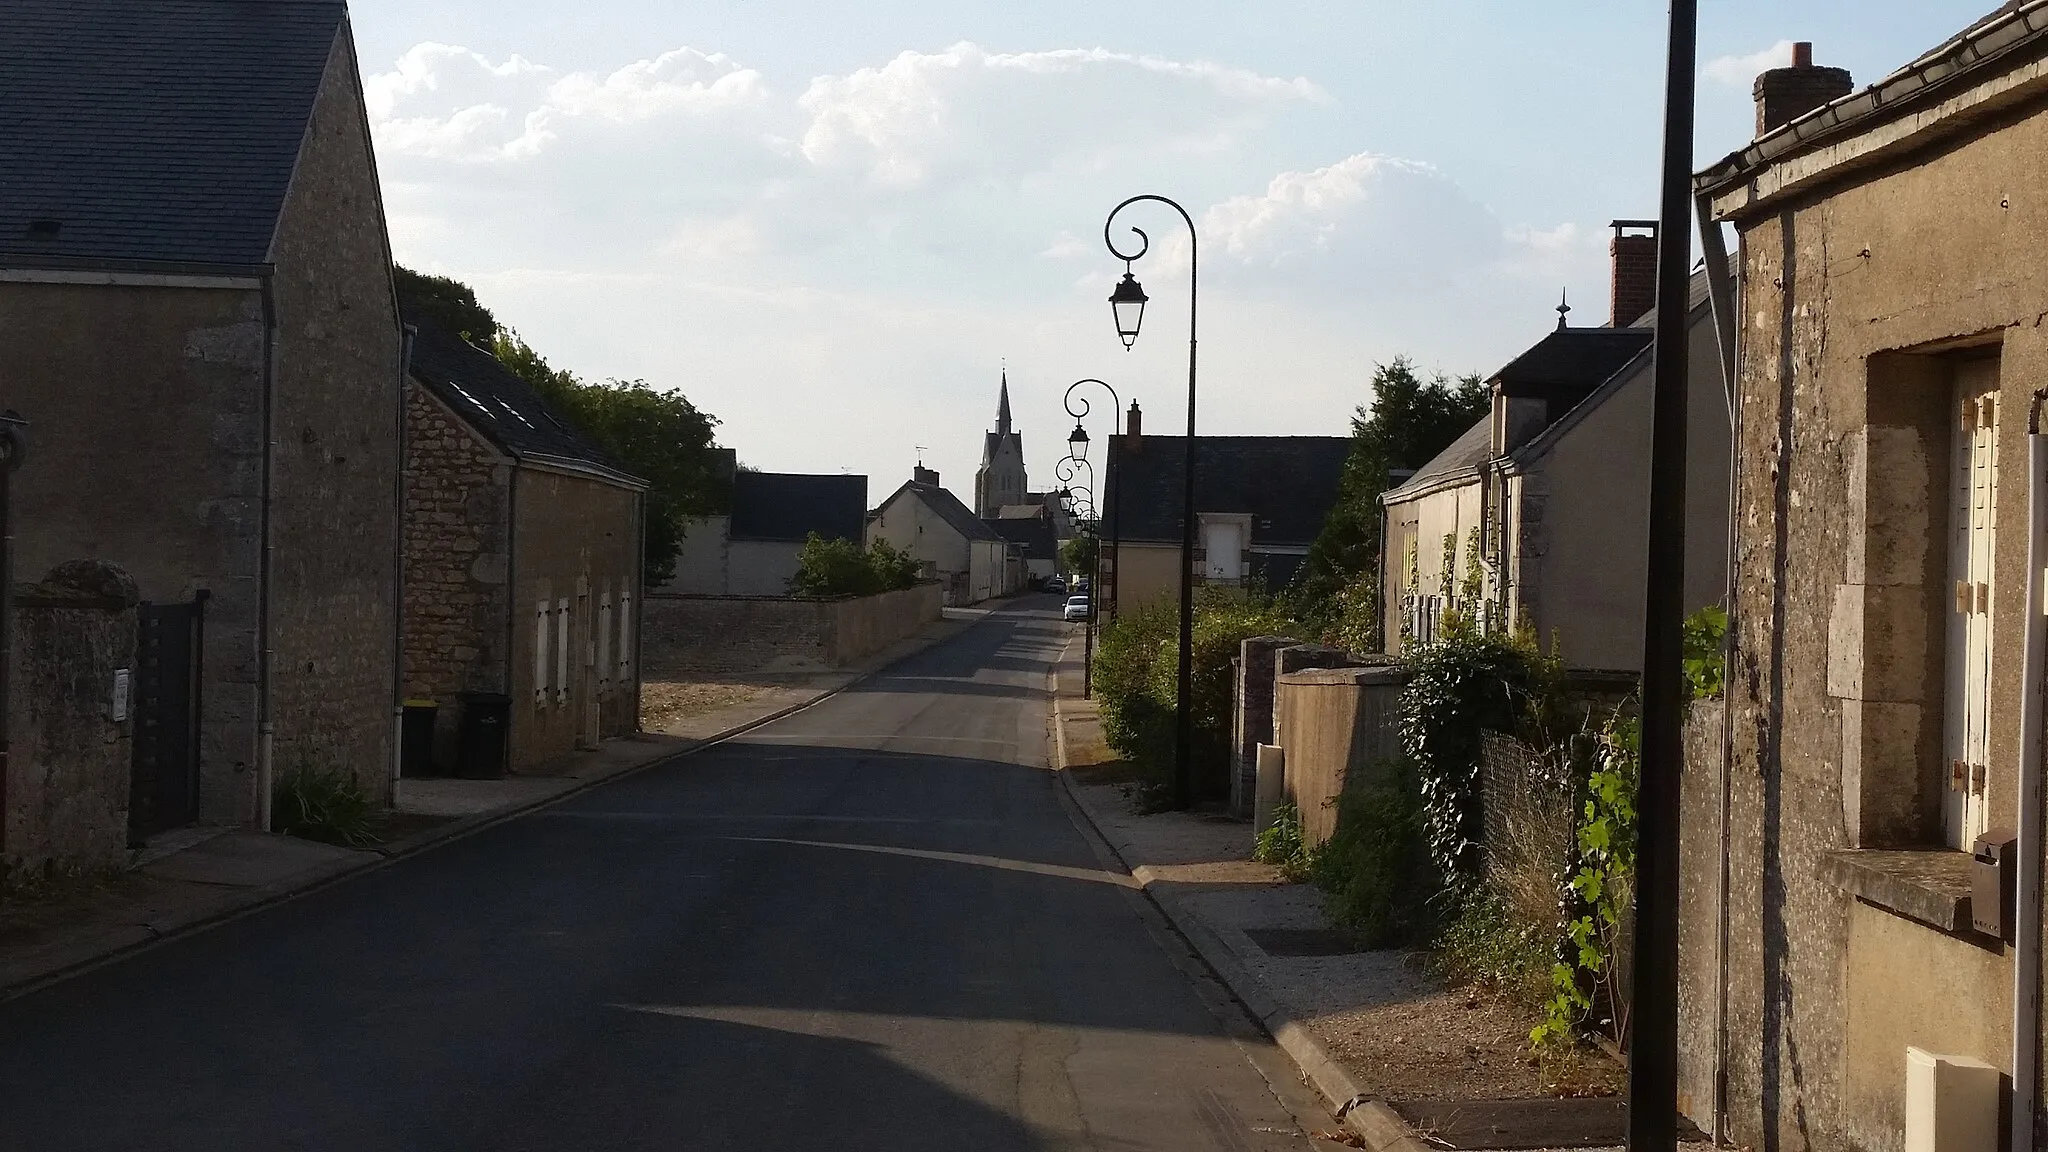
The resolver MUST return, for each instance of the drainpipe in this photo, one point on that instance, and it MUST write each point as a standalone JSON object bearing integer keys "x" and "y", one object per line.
{"x": 266, "y": 728}
{"x": 13, "y": 446}
{"x": 1723, "y": 294}
{"x": 2026, "y": 990}
{"x": 398, "y": 574}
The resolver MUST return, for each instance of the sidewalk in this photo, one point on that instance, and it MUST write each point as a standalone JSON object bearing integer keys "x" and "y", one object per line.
{"x": 1405, "y": 1062}
{"x": 198, "y": 876}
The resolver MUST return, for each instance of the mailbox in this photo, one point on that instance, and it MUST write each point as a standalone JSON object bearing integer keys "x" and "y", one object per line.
{"x": 1992, "y": 883}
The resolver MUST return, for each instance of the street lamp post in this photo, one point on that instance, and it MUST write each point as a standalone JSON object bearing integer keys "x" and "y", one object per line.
{"x": 1128, "y": 304}
{"x": 1077, "y": 447}
{"x": 1079, "y": 500}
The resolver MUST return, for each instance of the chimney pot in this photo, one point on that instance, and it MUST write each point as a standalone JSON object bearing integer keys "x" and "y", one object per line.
{"x": 1785, "y": 94}
{"x": 1134, "y": 429}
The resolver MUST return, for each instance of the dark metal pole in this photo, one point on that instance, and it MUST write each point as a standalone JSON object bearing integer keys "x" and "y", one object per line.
{"x": 1653, "y": 1015}
{"x": 1184, "y": 719}
{"x": 1088, "y": 636}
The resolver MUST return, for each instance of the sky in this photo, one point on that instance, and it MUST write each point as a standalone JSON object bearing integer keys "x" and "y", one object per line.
{"x": 833, "y": 226}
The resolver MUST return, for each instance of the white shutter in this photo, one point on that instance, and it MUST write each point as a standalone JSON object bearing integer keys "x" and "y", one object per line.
{"x": 626, "y": 634}
{"x": 561, "y": 652}
{"x": 604, "y": 637}
{"x": 1973, "y": 519}
{"x": 540, "y": 653}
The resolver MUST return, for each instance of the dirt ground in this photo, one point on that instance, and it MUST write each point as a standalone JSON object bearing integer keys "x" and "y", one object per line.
{"x": 664, "y": 701}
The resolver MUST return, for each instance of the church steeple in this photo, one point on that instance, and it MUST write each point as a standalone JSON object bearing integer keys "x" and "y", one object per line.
{"x": 1003, "y": 407}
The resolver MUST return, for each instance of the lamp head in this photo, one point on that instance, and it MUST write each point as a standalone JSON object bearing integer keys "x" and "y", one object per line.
{"x": 1128, "y": 304}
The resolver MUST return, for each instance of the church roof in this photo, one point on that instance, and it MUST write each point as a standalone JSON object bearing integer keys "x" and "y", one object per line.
{"x": 992, "y": 441}
{"x": 162, "y": 132}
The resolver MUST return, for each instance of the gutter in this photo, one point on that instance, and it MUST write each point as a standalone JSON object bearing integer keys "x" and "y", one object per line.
{"x": 266, "y": 730}
{"x": 1948, "y": 66}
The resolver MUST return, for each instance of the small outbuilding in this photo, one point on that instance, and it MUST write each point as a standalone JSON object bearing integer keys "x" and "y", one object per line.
{"x": 523, "y": 548}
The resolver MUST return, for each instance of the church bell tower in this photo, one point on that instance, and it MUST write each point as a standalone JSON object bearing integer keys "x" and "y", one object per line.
{"x": 1000, "y": 479}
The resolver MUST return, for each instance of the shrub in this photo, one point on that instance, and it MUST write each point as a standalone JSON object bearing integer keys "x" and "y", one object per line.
{"x": 1488, "y": 943}
{"x": 1375, "y": 867}
{"x": 839, "y": 567}
{"x": 1224, "y": 620}
{"x": 1281, "y": 846}
{"x": 1705, "y": 631}
{"x": 324, "y": 805}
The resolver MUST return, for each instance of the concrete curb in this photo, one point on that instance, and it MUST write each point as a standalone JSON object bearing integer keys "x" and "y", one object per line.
{"x": 1370, "y": 1120}
{"x": 119, "y": 943}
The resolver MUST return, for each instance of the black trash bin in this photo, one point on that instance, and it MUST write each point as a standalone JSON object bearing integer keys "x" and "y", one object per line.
{"x": 486, "y": 727}
{"x": 416, "y": 739}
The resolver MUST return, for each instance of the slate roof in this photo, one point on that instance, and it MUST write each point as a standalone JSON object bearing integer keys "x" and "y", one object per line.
{"x": 948, "y": 507}
{"x": 1570, "y": 362}
{"x": 502, "y": 407}
{"x": 1287, "y": 483}
{"x": 1034, "y": 535}
{"x": 158, "y": 131}
{"x": 1461, "y": 458}
{"x": 792, "y": 505}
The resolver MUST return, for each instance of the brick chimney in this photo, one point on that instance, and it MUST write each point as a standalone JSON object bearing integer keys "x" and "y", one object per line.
{"x": 1633, "y": 288}
{"x": 924, "y": 475}
{"x": 1134, "y": 430}
{"x": 1785, "y": 94}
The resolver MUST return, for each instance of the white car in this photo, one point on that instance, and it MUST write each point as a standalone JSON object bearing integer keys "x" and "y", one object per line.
{"x": 1077, "y": 608}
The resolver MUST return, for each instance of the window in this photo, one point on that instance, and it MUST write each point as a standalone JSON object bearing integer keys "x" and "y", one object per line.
{"x": 1973, "y": 521}
{"x": 540, "y": 653}
{"x": 561, "y": 652}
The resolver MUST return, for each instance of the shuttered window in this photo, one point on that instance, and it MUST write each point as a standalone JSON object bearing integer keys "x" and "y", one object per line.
{"x": 540, "y": 653}
{"x": 1973, "y": 522}
{"x": 604, "y": 637}
{"x": 561, "y": 652}
{"x": 626, "y": 634}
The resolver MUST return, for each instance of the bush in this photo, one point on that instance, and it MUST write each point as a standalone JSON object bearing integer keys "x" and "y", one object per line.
{"x": 1281, "y": 846}
{"x": 1489, "y": 944}
{"x": 1704, "y": 632}
{"x": 839, "y": 567}
{"x": 1375, "y": 866}
{"x": 1126, "y": 649}
{"x": 1224, "y": 620}
{"x": 324, "y": 805}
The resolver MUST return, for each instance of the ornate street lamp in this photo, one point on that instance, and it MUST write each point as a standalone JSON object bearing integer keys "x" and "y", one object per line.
{"x": 1077, "y": 457}
{"x": 1128, "y": 303}
{"x": 1077, "y": 442}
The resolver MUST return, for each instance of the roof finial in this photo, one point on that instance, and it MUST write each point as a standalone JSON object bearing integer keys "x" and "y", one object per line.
{"x": 1562, "y": 308}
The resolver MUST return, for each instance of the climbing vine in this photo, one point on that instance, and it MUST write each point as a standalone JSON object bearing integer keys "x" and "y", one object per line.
{"x": 1588, "y": 979}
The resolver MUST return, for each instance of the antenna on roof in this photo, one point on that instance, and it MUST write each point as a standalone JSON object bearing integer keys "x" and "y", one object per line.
{"x": 920, "y": 454}
{"x": 1562, "y": 308}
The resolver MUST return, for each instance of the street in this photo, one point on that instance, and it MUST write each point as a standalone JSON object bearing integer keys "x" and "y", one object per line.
{"x": 869, "y": 925}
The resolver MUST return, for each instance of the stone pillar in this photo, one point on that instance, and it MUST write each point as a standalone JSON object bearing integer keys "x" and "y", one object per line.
{"x": 1252, "y": 720}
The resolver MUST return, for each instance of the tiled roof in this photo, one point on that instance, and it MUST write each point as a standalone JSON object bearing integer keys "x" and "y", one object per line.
{"x": 1288, "y": 484}
{"x": 792, "y": 505}
{"x": 153, "y": 130}
{"x": 1570, "y": 362}
{"x": 501, "y": 406}
{"x": 1462, "y": 458}
{"x": 1034, "y": 535}
{"x": 948, "y": 507}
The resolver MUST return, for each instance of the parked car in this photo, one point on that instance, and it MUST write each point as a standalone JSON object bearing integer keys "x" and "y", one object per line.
{"x": 1077, "y": 608}
{"x": 1055, "y": 584}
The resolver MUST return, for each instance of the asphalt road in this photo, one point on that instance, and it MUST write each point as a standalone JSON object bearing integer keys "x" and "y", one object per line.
{"x": 869, "y": 925}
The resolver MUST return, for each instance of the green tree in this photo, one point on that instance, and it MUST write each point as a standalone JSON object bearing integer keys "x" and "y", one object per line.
{"x": 838, "y": 567}
{"x": 449, "y": 304}
{"x": 1410, "y": 420}
{"x": 1078, "y": 554}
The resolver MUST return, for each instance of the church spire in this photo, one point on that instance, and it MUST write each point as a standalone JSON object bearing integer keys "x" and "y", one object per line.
{"x": 1003, "y": 406}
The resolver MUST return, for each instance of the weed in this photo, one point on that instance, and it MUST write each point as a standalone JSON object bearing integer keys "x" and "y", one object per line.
{"x": 325, "y": 805}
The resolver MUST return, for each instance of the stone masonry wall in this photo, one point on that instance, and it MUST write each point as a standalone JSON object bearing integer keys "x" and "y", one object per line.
{"x": 686, "y": 635}
{"x": 70, "y": 764}
{"x": 457, "y": 600}
{"x": 336, "y": 421}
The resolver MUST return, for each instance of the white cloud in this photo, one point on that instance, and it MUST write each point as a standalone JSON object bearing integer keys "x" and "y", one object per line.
{"x": 1742, "y": 71}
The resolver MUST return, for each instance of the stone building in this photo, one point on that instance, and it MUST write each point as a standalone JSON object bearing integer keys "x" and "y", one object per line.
{"x": 1553, "y": 482}
{"x": 752, "y": 550}
{"x": 953, "y": 546}
{"x": 1000, "y": 479}
{"x": 522, "y": 560}
{"x": 1259, "y": 503}
{"x": 1890, "y": 351}
{"x": 197, "y": 318}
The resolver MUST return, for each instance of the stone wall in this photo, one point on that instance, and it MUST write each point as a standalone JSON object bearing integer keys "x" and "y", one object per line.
{"x": 575, "y": 544}
{"x": 1252, "y": 717}
{"x": 71, "y": 756}
{"x": 684, "y": 635}
{"x": 457, "y": 599}
{"x": 1337, "y": 726}
{"x": 336, "y": 424}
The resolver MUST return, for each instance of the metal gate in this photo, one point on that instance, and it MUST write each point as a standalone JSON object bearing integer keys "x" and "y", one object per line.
{"x": 164, "y": 791}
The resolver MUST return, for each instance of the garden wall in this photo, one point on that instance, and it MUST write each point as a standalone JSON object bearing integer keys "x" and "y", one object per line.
{"x": 772, "y": 634}
{"x": 1338, "y": 727}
